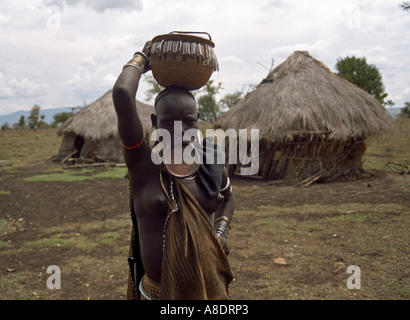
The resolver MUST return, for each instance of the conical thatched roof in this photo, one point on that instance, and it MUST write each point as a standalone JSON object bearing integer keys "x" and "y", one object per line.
{"x": 302, "y": 96}
{"x": 98, "y": 121}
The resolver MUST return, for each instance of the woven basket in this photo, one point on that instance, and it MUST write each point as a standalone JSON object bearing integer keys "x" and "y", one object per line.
{"x": 182, "y": 59}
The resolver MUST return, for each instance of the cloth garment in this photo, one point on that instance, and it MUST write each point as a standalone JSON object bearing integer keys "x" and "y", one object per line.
{"x": 210, "y": 171}
{"x": 194, "y": 264}
{"x": 150, "y": 289}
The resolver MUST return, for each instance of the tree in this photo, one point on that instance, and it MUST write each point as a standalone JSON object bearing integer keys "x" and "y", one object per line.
{"x": 42, "y": 123}
{"x": 33, "y": 118}
{"x": 5, "y": 126}
{"x": 365, "y": 76}
{"x": 405, "y": 6}
{"x": 21, "y": 124}
{"x": 389, "y": 103}
{"x": 154, "y": 88}
{"x": 208, "y": 108}
{"x": 229, "y": 100}
{"x": 405, "y": 111}
{"x": 60, "y": 118}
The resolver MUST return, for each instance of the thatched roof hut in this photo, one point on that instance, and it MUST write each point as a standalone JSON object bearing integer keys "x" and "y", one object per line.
{"x": 311, "y": 122}
{"x": 92, "y": 133}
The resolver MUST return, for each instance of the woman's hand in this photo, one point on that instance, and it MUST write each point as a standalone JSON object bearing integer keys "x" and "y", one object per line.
{"x": 147, "y": 51}
{"x": 222, "y": 227}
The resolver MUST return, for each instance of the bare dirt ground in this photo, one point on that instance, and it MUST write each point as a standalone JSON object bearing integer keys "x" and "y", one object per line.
{"x": 287, "y": 242}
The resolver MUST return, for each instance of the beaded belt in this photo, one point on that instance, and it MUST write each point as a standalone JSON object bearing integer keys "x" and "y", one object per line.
{"x": 149, "y": 288}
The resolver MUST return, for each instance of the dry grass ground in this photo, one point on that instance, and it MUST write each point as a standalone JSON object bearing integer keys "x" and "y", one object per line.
{"x": 287, "y": 242}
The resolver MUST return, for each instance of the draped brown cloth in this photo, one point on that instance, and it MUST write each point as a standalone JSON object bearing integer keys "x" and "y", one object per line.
{"x": 194, "y": 265}
{"x": 132, "y": 287}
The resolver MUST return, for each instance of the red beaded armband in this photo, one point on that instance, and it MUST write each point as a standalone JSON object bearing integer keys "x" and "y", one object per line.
{"x": 133, "y": 147}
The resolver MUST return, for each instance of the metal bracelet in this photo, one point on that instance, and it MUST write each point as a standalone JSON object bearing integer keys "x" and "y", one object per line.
{"x": 138, "y": 62}
{"x": 223, "y": 219}
{"x": 132, "y": 65}
{"x": 142, "y": 54}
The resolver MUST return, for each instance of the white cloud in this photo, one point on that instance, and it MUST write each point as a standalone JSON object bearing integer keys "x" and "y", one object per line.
{"x": 230, "y": 60}
{"x": 90, "y": 79}
{"x": 123, "y": 41}
{"x": 379, "y": 56}
{"x": 319, "y": 50}
{"x": 109, "y": 79}
{"x": 5, "y": 19}
{"x": 81, "y": 60}
{"x": 402, "y": 96}
{"x": 19, "y": 87}
{"x": 87, "y": 61}
{"x": 100, "y": 6}
{"x": 5, "y": 89}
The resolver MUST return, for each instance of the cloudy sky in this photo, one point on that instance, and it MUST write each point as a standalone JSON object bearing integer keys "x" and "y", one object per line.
{"x": 62, "y": 53}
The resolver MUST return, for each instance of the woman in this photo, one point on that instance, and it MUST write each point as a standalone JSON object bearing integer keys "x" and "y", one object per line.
{"x": 180, "y": 226}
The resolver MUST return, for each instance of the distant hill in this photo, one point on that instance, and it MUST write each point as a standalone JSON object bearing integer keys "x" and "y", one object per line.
{"x": 48, "y": 113}
{"x": 394, "y": 112}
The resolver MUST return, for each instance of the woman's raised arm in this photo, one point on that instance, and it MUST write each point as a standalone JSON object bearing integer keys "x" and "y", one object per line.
{"x": 129, "y": 124}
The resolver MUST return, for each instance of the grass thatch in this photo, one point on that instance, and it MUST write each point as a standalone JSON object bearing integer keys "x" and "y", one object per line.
{"x": 302, "y": 96}
{"x": 98, "y": 121}
{"x": 93, "y": 133}
{"x": 312, "y": 123}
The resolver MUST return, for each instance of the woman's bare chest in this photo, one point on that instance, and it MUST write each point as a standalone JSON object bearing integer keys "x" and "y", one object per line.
{"x": 153, "y": 199}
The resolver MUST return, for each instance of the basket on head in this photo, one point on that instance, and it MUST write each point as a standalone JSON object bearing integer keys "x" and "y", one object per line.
{"x": 182, "y": 59}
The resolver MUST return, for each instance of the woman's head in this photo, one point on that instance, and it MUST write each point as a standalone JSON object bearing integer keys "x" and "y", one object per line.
{"x": 175, "y": 104}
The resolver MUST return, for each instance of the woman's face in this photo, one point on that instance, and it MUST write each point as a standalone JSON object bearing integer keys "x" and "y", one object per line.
{"x": 173, "y": 110}
{"x": 177, "y": 107}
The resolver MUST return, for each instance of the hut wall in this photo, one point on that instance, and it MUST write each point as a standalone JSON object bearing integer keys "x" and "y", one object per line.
{"x": 304, "y": 158}
{"x": 67, "y": 146}
{"x": 109, "y": 149}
